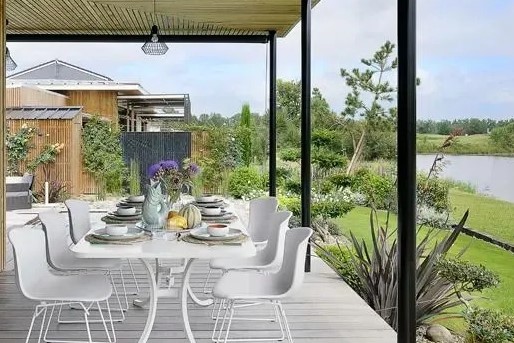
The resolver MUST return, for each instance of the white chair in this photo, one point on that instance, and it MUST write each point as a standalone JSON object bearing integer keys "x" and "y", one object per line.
{"x": 260, "y": 210}
{"x": 80, "y": 224}
{"x": 258, "y": 227}
{"x": 239, "y": 287}
{"x": 266, "y": 260}
{"x": 60, "y": 257}
{"x": 36, "y": 282}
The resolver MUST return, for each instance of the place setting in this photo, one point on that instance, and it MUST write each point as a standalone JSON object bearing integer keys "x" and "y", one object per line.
{"x": 119, "y": 234}
{"x": 124, "y": 214}
{"x": 209, "y": 200}
{"x": 132, "y": 201}
{"x": 214, "y": 234}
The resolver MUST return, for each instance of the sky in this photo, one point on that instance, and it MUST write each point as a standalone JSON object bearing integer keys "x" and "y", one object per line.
{"x": 465, "y": 59}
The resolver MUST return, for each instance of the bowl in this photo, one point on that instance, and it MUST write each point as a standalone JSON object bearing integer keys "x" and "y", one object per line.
{"x": 218, "y": 230}
{"x": 136, "y": 198}
{"x": 116, "y": 229}
{"x": 126, "y": 211}
{"x": 206, "y": 198}
{"x": 212, "y": 210}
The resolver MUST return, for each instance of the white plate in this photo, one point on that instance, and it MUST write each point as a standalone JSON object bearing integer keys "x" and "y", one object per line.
{"x": 201, "y": 233}
{"x": 131, "y": 234}
{"x": 116, "y": 214}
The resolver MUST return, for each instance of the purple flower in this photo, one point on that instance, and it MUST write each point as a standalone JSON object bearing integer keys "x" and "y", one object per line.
{"x": 193, "y": 169}
{"x": 153, "y": 170}
{"x": 169, "y": 164}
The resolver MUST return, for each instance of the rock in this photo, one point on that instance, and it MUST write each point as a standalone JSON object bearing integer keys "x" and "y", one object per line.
{"x": 439, "y": 334}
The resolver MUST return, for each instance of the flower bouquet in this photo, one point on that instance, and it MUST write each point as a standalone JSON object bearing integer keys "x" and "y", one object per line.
{"x": 174, "y": 179}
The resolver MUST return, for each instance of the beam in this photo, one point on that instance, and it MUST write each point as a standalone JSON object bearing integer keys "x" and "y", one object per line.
{"x": 306, "y": 122}
{"x": 273, "y": 113}
{"x": 77, "y": 38}
{"x": 406, "y": 171}
{"x": 3, "y": 155}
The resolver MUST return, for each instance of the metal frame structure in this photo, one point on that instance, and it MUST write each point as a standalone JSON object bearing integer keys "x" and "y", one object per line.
{"x": 406, "y": 171}
{"x": 406, "y": 130}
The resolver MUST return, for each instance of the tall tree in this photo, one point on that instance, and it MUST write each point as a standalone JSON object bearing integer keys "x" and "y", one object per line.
{"x": 371, "y": 96}
{"x": 245, "y": 134}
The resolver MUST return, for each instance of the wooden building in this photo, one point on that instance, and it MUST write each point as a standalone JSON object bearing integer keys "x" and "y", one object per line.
{"x": 61, "y": 125}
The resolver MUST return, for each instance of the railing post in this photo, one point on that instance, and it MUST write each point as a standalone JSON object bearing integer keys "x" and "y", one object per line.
{"x": 306, "y": 122}
{"x": 406, "y": 171}
{"x": 272, "y": 113}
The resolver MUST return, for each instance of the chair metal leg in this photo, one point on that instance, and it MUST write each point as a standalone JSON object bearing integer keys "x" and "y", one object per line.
{"x": 207, "y": 279}
{"x": 37, "y": 313}
{"x": 286, "y": 324}
{"x": 133, "y": 278}
{"x": 85, "y": 320}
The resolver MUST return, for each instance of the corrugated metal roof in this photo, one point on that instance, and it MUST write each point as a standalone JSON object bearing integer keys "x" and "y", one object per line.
{"x": 41, "y": 113}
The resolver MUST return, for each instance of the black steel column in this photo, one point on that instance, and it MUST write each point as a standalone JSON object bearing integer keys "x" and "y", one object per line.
{"x": 407, "y": 171}
{"x": 306, "y": 122}
{"x": 273, "y": 113}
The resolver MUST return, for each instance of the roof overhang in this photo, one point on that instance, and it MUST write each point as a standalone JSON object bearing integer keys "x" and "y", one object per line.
{"x": 59, "y": 85}
{"x": 157, "y": 105}
{"x": 116, "y": 20}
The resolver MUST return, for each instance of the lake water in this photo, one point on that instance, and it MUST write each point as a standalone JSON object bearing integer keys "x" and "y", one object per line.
{"x": 490, "y": 175}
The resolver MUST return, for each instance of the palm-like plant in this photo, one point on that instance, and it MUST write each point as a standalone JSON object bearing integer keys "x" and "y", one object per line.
{"x": 376, "y": 267}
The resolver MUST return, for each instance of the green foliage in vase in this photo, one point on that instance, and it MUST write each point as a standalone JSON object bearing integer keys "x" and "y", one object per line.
{"x": 102, "y": 155}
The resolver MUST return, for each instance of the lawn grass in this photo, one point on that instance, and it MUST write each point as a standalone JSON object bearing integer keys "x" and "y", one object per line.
{"x": 487, "y": 215}
{"x": 463, "y": 145}
{"x": 479, "y": 252}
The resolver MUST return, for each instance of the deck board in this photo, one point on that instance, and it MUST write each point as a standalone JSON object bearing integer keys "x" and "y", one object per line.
{"x": 325, "y": 310}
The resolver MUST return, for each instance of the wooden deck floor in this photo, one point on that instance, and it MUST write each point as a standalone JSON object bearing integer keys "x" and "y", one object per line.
{"x": 326, "y": 310}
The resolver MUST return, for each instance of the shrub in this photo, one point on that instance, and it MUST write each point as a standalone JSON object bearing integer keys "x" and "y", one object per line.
{"x": 18, "y": 146}
{"x": 489, "y": 326}
{"x": 293, "y": 185}
{"x": 329, "y": 139}
{"x": 429, "y": 216}
{"x": 377, "y": 189}
{"x": 283, "y": 174}
{"x": 326, "y": 159}
{"x": 57, "y": 192}
{"x": 503, "y": 137}
{"x": 433, "y": 193}
{"x": 339, "y": 258}
{"x": 290, "y": 154}
{"x": 467, "y": 276}
{"x": 243, "y": 180}
{"x": 380, "y": 145}
{"x": 341, "y": 180}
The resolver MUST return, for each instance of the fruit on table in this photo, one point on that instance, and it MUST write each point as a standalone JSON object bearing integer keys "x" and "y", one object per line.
{"x": 192, "y": 214}
{"x": 176, "y": 221}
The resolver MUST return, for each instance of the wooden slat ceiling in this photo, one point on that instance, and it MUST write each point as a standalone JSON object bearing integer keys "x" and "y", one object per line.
{"x": 135, "y": 17}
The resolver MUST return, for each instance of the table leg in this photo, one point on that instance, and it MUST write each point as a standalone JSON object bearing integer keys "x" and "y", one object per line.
{"x": 185, "y": 292}
{"x": 152, "y": 302}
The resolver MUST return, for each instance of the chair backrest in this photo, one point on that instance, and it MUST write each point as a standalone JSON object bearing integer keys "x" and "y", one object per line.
{"x": 291, "y": 274}
{"x": 28, "y": 178}
{"x": 58, "y": 254}
{"x": 29, "y": 259}
{"x": 80, "y": 220}
{"x": 273, "y": 254}
{"x": 260, "y": 211}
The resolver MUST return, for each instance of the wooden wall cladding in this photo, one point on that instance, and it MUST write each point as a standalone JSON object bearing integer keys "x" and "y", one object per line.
{"x": 32, "y": 96}
{"x": 103, "y": 103}
{"x": 68, "y": 165}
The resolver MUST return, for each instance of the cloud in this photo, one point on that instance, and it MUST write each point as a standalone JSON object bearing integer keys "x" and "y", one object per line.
{"x": 465, "y": 60}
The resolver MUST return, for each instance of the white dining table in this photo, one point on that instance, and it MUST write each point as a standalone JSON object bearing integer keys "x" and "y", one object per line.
{"x": 162, "y": 249}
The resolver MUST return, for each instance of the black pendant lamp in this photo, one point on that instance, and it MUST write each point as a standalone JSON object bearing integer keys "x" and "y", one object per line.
{"x": 10, "y": 65}
{"x": 153, "y": 45}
